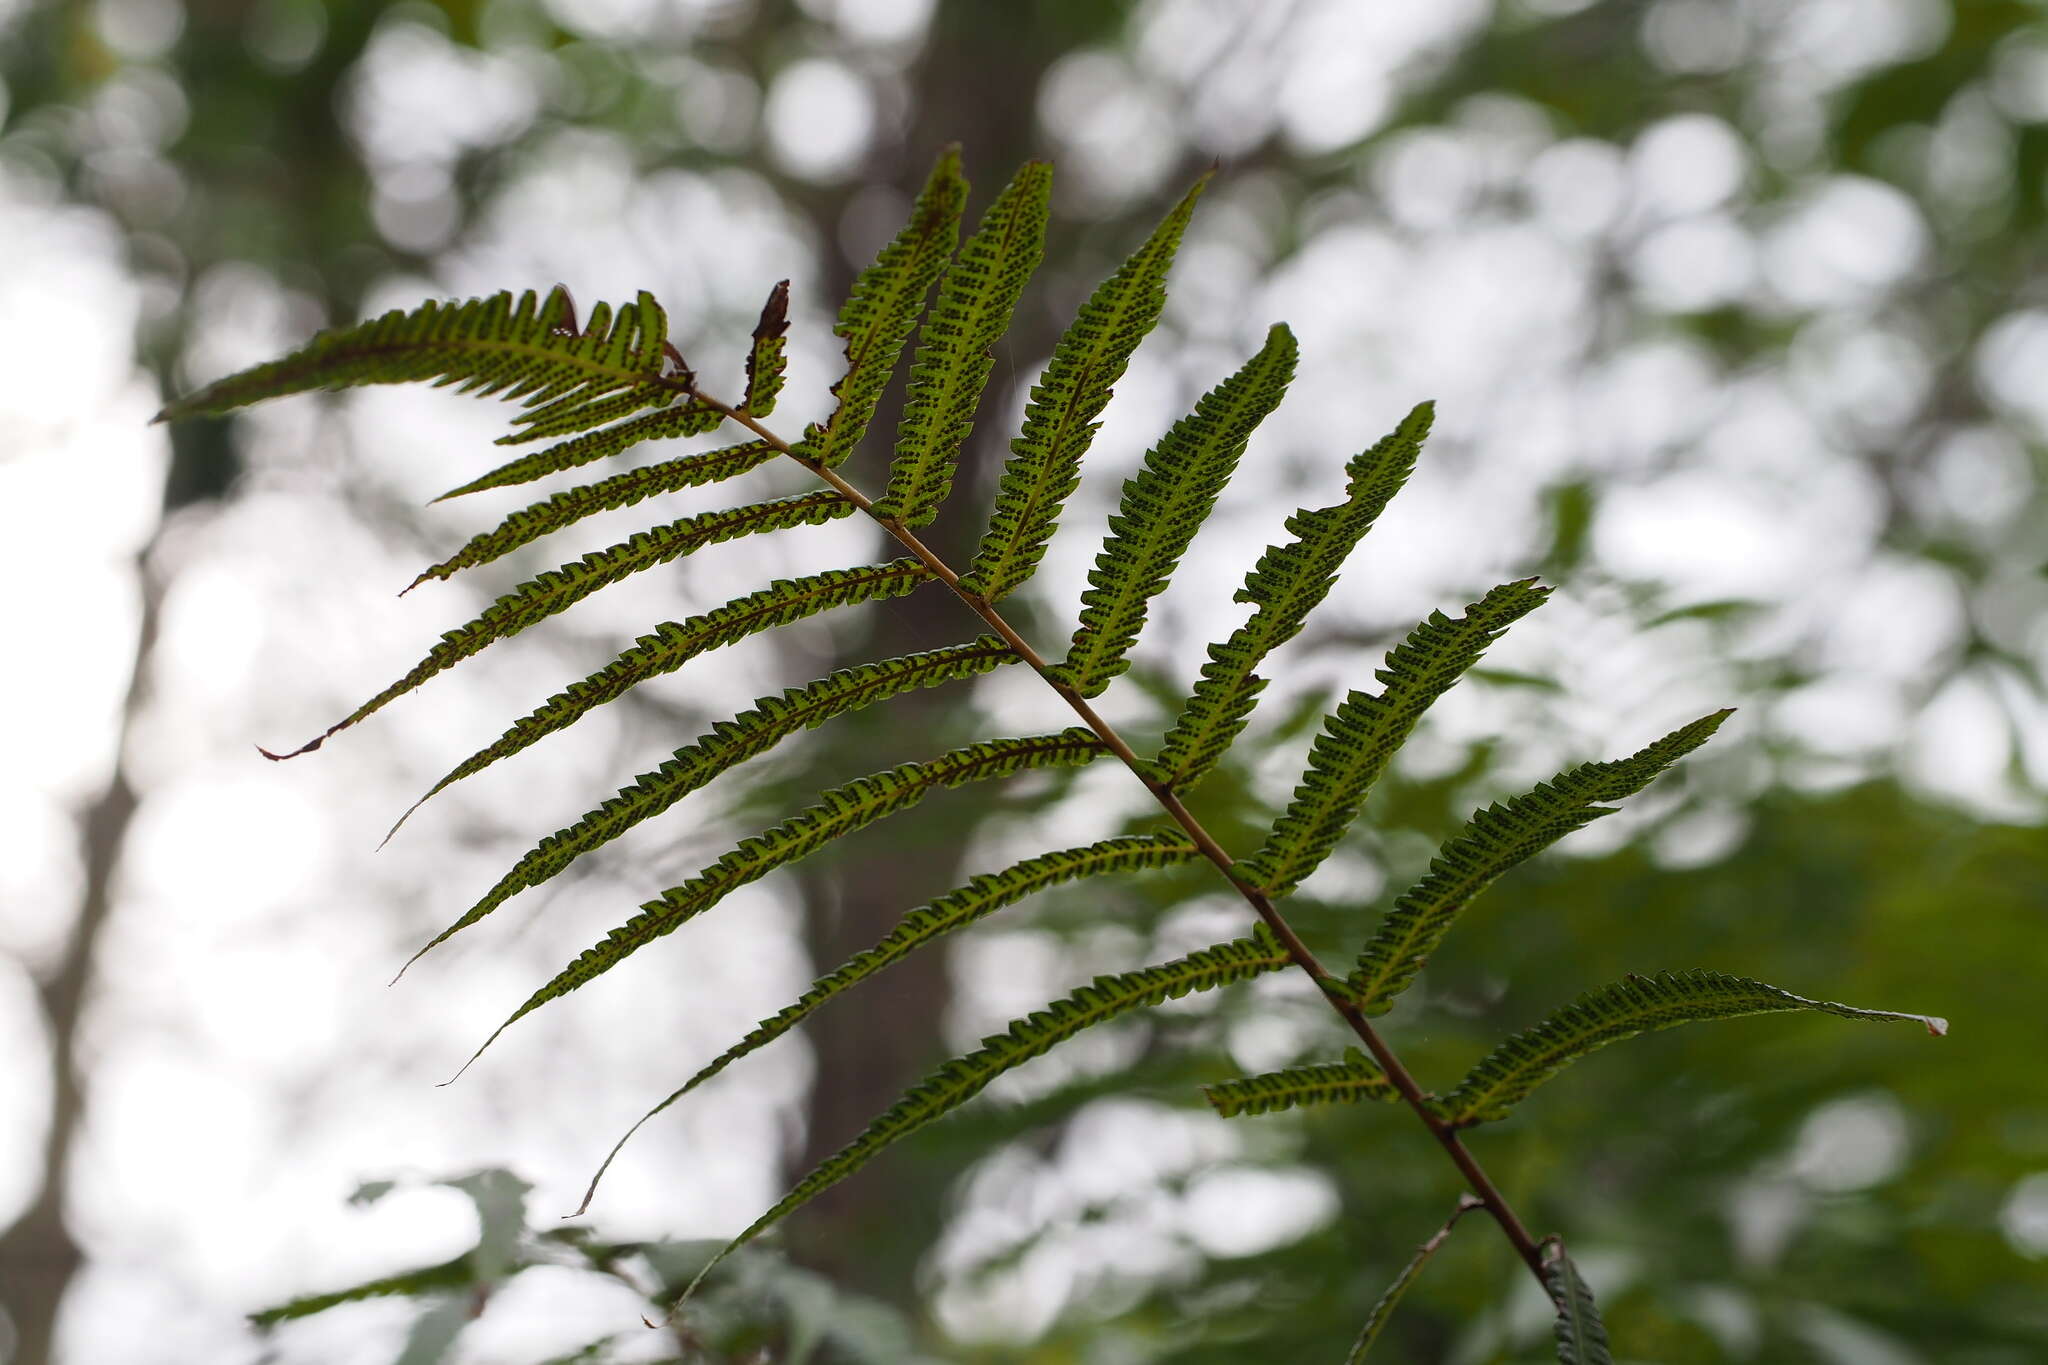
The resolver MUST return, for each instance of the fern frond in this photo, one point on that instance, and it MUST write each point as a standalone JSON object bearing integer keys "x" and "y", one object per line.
{"x": 959, "y": 1080}
{"x": 1288, "y": 582}
{"x": 459, "y": 1273}
{"x": 672, "y": 644}
{"x": 1581, "y": 1336}
{"x": 765, "y": 359}
{"x": 1060, "y": 420}
{"x": 982, "y": 896}
{"x": 571, "y": 414}
{"x": 886, "y": 300}
{"x": 571, "y": 505}
{"x": 1383, "y": 1310}
{"x": 1361, "y": 735}
{"x": 1164, "y": 504}
{"x": 617, "y": 345}
{"x": 1636, "y": 1004}
{"x": 689, "y": 418}
{"x": 955, "y": 349}
{"x": 557, "y": 590}
{"x": 513, "y": 349}
{"x": 1496, "y": 839}
{"x": 838, "y": 813}
{"x": 729, "y": 743}
{"x": 1355, "y": 1078}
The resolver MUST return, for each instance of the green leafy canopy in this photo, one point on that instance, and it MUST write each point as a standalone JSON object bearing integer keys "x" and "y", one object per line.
{"x": 611, "y": 388}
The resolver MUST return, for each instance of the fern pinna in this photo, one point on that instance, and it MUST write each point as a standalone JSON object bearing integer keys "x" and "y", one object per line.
{"x": 601, "y": 390}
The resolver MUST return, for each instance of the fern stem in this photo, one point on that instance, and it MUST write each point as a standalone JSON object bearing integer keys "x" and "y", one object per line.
{"x": 1331, "y": 986}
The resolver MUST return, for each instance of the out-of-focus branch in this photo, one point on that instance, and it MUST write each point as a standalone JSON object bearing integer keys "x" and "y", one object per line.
{"x": 38, "y": 1255}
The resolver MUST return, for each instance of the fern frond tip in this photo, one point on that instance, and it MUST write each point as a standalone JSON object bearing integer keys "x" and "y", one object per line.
{"x": 1634, "y": 1005}
{"x": 308, "y": 747}
{"x": 980, "y": 897}
{"x": 774, "y": 319}
{"x": 955, "y": 353}
{"x": 765, "y": 359}
{"x": 495, "y": 346}
{"x": 1061, "y": 419}
{"x": 1498, "y": 838}
{"x": 876, "y": 319}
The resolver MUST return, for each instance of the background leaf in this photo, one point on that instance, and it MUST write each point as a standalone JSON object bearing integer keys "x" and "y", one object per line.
{"x": 1581, "y": 1336}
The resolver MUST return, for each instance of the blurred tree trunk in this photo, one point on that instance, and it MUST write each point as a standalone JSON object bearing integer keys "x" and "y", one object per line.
{"x": 38, "y": 1255}
{"x": 976, "y": 84}
{"x": 304, "y": 215}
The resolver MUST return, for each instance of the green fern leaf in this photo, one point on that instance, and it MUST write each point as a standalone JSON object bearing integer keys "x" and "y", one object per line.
{"x": 982, "y": 896}
{"x": 887, "y": 298}
{"x": 570, "y": 506}
{"x": 1383, "y": 1310}
{"x": 955, "y": 349}
{"x": 1581, "y": 1336}
{"x": 684, "y": 419}
{"x": 729, "y": 743}
{"x": 1164, "y": 504}
{"x": 559, "y": 589}
{"x": 838, "y": 813}
{"x": 1636, "y": 1004}
{"x": 765, "y": 359}
{"x": 1361, "y": 735}
{"x": 1106, "y": 998}
{"x": 1355, "y": 1078}
{"x": 1496, "y": 839}
{"x": 1288, "y": 583}
{"x": 616, "y": 344}
{"x": 572, "y": 414}
{"x": 459, "y": 1273}
{"x": 1060, "y": 420}
{"x": 672, "y": 644}
{"x": 516, "y": 350}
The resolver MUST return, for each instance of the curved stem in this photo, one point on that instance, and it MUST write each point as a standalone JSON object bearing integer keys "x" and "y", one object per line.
{"x": 1331, "y": 986}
